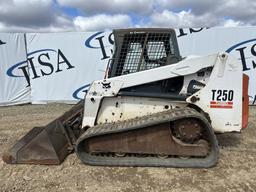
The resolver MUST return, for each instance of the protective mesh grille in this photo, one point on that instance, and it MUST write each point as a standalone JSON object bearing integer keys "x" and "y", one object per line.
{"x": 142, "y": 51}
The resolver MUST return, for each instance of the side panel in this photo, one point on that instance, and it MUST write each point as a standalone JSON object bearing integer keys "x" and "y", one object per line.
{"x": 221, "y": 98}
{"x": 120, "y": 108}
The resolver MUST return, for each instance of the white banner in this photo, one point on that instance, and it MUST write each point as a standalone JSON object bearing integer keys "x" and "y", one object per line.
{"x": 14, "y": 88}
{"x": 61, "y": 66}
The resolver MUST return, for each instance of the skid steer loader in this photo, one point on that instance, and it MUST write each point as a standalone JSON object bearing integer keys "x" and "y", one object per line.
{"x": 154, "y": 108}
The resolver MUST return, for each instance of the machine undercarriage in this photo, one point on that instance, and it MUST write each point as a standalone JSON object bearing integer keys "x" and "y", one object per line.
{"x": 173, "y": 138}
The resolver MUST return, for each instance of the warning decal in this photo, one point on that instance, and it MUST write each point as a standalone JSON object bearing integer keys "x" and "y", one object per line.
{"x": 221, "y": 104}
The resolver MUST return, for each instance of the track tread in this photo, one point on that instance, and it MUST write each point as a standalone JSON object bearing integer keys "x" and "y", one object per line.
{"x": 139, "y": 123}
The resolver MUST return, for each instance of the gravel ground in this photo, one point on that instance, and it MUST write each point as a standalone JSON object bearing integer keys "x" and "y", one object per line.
{"x": 236, "y": 170}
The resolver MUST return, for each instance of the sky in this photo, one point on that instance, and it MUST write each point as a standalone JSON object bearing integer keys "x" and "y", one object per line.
{"x": 94, "y": 15}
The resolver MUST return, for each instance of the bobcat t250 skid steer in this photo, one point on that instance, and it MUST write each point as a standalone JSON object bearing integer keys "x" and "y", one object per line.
{"x": 154, "y": 108}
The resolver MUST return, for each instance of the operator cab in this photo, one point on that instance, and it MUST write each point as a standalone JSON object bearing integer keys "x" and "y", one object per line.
{"x": 143, "y": 49}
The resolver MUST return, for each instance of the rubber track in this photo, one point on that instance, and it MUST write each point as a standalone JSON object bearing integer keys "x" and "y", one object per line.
{"x": 142, "y": 122}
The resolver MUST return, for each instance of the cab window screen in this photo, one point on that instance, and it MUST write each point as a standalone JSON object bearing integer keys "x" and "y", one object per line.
{"x": 143, "y": 51}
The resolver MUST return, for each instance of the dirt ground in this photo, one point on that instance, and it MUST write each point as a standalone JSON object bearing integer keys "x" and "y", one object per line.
{"x": 236, "y": 170}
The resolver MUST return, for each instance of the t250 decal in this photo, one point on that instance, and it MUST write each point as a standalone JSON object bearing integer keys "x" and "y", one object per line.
{"x": 222, "y": 99}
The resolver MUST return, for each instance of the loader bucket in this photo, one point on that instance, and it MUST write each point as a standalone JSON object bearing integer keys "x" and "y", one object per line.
{"x": 42, "y": 145}
{"x": 48, "y": 145}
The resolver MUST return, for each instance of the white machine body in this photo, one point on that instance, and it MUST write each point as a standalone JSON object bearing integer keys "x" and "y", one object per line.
{"x": 220, "y": 98}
